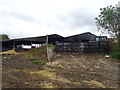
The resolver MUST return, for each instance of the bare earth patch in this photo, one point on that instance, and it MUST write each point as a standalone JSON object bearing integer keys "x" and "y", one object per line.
{"x": 65, "y": 71}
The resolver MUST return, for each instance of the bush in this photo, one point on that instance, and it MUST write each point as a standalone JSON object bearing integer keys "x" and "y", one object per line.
{"x": 38, "y": 61}
{"x": 115, "y": 50}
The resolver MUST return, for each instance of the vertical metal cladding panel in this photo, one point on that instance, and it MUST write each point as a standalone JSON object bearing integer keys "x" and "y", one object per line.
{"x": 75, "y": 47}
{"x": 93, "y": 47}
{"x": 82, "y": 47}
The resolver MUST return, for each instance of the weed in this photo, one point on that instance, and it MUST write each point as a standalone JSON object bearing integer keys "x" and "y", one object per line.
{"x": 38, "y": 61}
{"x": 115, "y": 51}
{"x": 38, "y": 50}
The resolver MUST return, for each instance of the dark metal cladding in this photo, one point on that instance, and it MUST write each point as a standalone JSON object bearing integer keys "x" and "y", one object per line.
{"x": 84, "y": 37}
{"x": 82, "y": 47}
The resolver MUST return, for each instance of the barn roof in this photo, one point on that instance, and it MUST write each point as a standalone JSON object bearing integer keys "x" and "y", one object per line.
{"x": 52, "y": 38}
{"x": 80, "y": 34}
{"x": 38, "y": 38}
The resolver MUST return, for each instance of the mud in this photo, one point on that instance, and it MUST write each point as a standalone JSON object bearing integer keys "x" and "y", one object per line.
{"x": 64, "y": 71}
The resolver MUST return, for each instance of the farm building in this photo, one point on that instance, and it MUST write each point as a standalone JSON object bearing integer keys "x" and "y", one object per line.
{"x": 13, "y": 43}
{"x": 81, "y": 43}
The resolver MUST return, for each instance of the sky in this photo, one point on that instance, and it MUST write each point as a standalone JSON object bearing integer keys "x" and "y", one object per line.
{"x": 31, "y": 18}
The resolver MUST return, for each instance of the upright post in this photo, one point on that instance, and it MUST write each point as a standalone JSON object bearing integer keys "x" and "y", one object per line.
{"x": 13, "y": 45}
{"x": 46, "y": 39}
{"x": 47, "y": 52}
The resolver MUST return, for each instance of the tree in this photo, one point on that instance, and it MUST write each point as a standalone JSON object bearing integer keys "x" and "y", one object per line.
{"x": 109, "y": 20}
{"x": 4, "y": 36}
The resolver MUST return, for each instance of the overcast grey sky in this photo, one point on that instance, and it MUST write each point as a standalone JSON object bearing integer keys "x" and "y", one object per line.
{"x": 26, "y": 18}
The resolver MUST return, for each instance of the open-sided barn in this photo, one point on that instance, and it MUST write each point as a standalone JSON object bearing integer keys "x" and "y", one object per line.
{"x": 13, "y": 43}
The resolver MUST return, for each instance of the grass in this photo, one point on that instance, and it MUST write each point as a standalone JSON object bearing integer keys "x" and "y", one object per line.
{"x": 42, "y": 49}
{"x": 38, "y": 61}
{"x": 115, "y": 50}
{"x": 26, "y": 56}
{"x": 35, "y": 53}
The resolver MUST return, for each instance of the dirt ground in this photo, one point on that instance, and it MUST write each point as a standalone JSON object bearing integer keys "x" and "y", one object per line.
{"x": 64, "y": 71}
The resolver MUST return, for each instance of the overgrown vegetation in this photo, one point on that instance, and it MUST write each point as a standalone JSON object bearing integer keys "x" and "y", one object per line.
{"x": 42, "y": 49}
{"x": 38, "y": 53}
{"x": 38, "y": 61}
{"x": 115, "y": 50}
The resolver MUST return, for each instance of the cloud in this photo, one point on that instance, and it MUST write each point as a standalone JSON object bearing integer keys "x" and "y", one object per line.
{"x": 77, "y": 19}
{"x": 18, "y": 15}
{"x": 13, "y": 34}
{"x": 22, "y": 16}
{"x": 25, "y": 18}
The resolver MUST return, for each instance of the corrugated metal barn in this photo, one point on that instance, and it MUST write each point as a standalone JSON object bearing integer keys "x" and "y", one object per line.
{"x": 83, "y": 43}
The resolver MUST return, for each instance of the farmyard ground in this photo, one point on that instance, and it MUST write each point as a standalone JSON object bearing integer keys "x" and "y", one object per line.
{"x": 64, "y": 71}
